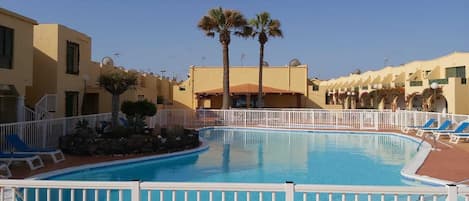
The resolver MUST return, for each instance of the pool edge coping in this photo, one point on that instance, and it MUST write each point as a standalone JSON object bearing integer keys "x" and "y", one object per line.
{"x": 203, "y": 147}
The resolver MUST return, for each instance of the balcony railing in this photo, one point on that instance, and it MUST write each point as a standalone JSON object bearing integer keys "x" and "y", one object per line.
{"x": 439, "y": 81}
{"x": 416, "y": 83}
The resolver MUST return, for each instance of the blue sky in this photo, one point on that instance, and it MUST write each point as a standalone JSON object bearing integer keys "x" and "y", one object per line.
{"x": 333, "y": 37}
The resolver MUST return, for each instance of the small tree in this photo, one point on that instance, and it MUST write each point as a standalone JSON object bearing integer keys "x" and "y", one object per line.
{"x": 117, "y": 83}
{"x": 136, "y": 113}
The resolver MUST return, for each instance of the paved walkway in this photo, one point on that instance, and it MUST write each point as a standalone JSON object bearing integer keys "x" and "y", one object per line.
{"x": 450, "y": 163}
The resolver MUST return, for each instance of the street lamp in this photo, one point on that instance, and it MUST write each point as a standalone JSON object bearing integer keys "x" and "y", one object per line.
{"x": 434, "y": 85}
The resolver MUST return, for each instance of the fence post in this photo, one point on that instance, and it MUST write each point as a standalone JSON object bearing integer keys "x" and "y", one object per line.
{"x": 289, "y": 119}
{"x": 452, "y": 190}
{"x": 245, "y": 118}
{"x": 135, "y": 191}
{"x": 44, "y": 134}
{"x": 289, "y": 191}
{"x": 376, "y": 119}
{"x": 361, "y": 120}
{"x": 336, "y": 120}
{"x": 312, "y": 119}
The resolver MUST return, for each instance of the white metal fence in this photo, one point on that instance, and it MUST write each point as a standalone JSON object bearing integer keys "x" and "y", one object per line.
{"x": 45, "y": 133}
{"x": 172, "y": 191}
{"x": 304, "y": 118}
{"x": 46, "y": 105}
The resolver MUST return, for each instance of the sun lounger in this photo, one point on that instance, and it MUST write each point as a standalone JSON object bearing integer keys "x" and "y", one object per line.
{"x": 427, "y": 124}
{"x": 32, "y": 160}
{"x": 455, "y": 137}
{"x": 4, "y": 170}
{"x": 124, "y": 122}
{"x": 443, "y": 126}
{"x": 23, "y": 148}
{"x": 459, "y": 129}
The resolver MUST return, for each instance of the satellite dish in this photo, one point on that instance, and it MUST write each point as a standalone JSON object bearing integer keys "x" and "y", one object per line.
{"x": 265, "y": 63}
{"x": 107, "y": 61}
{"x": 294, "y": 62}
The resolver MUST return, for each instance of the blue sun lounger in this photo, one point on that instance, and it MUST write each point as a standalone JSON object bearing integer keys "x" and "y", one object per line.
{"x": 4, "y": 170}
{"x": 455, "y": 137}
{"x": 427, "y": 124}
{"x": 124, "y": 122}
{"x": 32, "y": 160}
{"x": 459, "y": 129}
{"x": 444, "y": 126}
{"x": 23, "y": 148}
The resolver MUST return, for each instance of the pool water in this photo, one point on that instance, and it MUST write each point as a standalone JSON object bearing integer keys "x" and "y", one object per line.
{"x": 274, "y": 156}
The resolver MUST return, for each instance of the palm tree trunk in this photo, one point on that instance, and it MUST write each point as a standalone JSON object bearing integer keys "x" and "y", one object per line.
{"x": 226, "y": 77}
{"x": 260, "y": 102}
{"x": 115, "y": 110}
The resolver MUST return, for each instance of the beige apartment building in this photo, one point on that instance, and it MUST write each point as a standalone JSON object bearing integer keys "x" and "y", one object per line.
{"x": 62, "y": 61}
{"x": 16, "y": 64}
{"x": 48, "y": 68}
{"x": 283, "y": 86}
{"x": 438, "y": 85}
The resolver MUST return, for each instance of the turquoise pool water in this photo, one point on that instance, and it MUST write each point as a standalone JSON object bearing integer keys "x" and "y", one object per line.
{"x": 272, "y": 156}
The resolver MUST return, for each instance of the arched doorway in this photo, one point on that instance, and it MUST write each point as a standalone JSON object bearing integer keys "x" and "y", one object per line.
{"x": 437, "y": 103}
{"x": 399, "y": 101}
{"x": 364, "y": 100}
{"x": 416, "y": 102}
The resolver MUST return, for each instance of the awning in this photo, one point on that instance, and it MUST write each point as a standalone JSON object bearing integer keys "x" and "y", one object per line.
{"x": 248, "y": 89}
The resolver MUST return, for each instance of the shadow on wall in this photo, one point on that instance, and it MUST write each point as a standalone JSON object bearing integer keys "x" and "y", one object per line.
{"x": 311, "y": 104}
{"x": 44, "y": 81}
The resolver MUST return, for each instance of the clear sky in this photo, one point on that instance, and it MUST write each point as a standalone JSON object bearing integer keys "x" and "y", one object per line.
{"x": 333, "y": 37}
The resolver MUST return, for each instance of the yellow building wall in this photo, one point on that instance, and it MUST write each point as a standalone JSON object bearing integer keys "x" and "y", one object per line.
{"x": 50, "y": 42}
{"x": 45, "y": 62}
{"x": 424, "y": 71}
{"x": 21, "y": 74}
{"x": 208, "y": 78}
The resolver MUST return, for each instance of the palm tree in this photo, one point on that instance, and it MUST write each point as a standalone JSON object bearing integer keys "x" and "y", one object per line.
{"x": 117, "y": 83}
{"x": 264, "y": 27}
{"x": 224, "y": 22}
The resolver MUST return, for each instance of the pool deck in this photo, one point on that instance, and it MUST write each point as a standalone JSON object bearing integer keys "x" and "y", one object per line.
{"x": 448, "y": 163}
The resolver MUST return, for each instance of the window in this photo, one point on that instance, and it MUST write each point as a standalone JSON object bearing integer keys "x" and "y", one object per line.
{"x": 141, "y": 97}
{"x": 182, "y": 88}
{"x": 71, "y": 103}
{"x": 73, "y": 58}
{"x": 459, "y": 71}
{"x": 6, "y": 47}
{"x": 315, "y": 87}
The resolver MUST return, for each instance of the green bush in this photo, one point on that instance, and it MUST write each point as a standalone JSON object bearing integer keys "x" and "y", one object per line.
{"x": 136, "y": 113}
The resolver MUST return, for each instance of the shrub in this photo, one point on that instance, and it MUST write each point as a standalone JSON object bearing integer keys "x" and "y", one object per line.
{"x": 136, "y": 113}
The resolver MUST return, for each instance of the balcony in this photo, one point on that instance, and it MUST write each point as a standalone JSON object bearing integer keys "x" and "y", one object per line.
{"x": 416, "y": 83}
{"x": 439, "y": 81}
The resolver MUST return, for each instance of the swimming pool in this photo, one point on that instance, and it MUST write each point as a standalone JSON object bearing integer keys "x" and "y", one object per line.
{"x": 274, "y": 156}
